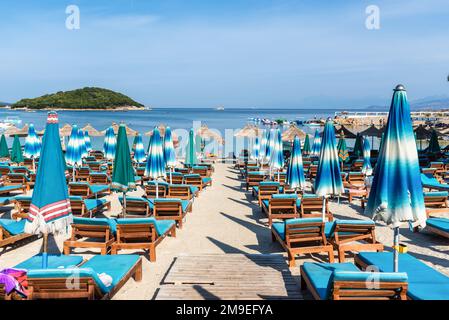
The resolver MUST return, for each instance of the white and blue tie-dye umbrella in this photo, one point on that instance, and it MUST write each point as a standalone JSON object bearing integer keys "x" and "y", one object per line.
{"x": 295, "y": 170}
{"x": 138, "y": 149}
{"x": 328, "y": 179}
{"x": 82, "y": 140}
{"x": 155, "y": 166}
{"x": 316, "y": 146}
{"x": 367, "y": 169}
{"x": 87, "y": 141}
{"x": 256, "y": 150}
{"x": 270, "y": 145}
{"x": 169, "y": 151}
{"x": 263, "y": 146}
{"x": 73, "y": 154}
{"x": 277, "y": 157}
{"x": 396, "y": 194}
{"x": 110, "y": 142}
{"x": 32, "y": 144}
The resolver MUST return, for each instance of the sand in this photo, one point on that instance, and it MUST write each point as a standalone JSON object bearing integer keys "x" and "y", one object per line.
{"x": 225, "y": 219}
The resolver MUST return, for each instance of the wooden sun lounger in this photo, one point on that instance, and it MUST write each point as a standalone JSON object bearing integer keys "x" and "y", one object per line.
{"x": 280, "y": 208}
{"x": 142, "y": 234}
{"x": 436, "y": 202}
{"x": 82, "y": 174}
{"x": 52, "y": 283}
{"x": 11, "y": 188}
{"x": 171, "y": 209}
{"x": 7, "y": 238}
{"x": 354, "y": 235}
{"x": 99, "y": 178}
{"x": 180, "y": 191}
{"x": 88, "y": 207}
{"x": 312, "y": 207}
{"x": 150, "y": 190}
{"x": 18, "y": 179}
{"x": 254, "y": 178}
{"x": 344, "y": 281}
{"x": 90, "y": 233}
{"x": 197, "y": 180}
{"x": 264, "y": 191}
{"x": 176, "y": 177}
{"x": 302, "y": 236}
{"x": 137, "y": 207}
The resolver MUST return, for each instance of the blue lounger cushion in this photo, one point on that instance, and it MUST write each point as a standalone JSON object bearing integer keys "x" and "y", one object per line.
{"x": 5, "y": 189}
{"x": 207, "y": 179}
{"x": 430, "y": 181}
{"x": 279, "y": 227}
{"x": 5, "y": 200}
{"x": 116, "y": 266}
{"x": 97, "y": 222}
{"x": 162, "y": 226}
{"x": 257, "y": 173}
{"x": 321, "y": 275}
{"x": 22, "y": 198}
{"x": 159, "y": 183}
{"x": 370, "y": 276}
{"x": 92, "y": 204}
{"x": 98, "y": 188}
{"x": 54, "y": 262}
{"x": 424, "y": 282}
{"x": 436, "y": 194}
{"x": 266, "y": 202}
{"x": 12, "y": 226}
{"x": 184, "y": 203}
{"x": 192, "y": 175}
{"x": 439, "y": 223}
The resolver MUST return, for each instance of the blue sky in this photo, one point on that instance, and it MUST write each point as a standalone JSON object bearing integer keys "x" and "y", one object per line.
{"x": 239, "y": 53}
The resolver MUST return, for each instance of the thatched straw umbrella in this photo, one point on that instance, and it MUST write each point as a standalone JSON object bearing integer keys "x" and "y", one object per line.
{"x": 249, "y": 131}
{"x": 205, "y": 133}
{"x": 91, "y": 130}
{"x": 161, "y": 128}
{"x": 66, "y": 130}
{"x": 292, "y": 132}
{"x": 115, "y": 126}
{"x": 12, "y": 131}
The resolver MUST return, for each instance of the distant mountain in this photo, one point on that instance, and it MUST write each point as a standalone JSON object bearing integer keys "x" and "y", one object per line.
{"x": 427, "y": 103}
{"x": 85, "y": 98}
{"x": 2, "y": 104}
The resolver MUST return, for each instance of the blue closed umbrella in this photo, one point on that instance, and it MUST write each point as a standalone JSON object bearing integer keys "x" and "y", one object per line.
{"x": 367, "y": 169}
{"x": 277, "y": 157}
{"x": 270, "y": 145}
{"x": 328, "y": 179}
{"x": 73, "y": 155}
{"x": 396, "y": 194}
{"x": 155, "y": 167}
{"x": 84, "y": 152}
{"x": 295, "y": 170}
{"x": 316, "y": 146}
{"x": 109, "y": 145}
{"x": 263, "y": 147}
{"x": 50, "y": 210}
{"x": 169, "y": 151}
{"x": 32, "y": 147}
{"x": 138, "y": 149}
{"x": 256, "y": 150}
{"x": 87, "y": 141}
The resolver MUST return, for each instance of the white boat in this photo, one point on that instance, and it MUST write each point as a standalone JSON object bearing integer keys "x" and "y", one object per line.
{"x": 13, "y": 120}
{"x": 220, "y": 108}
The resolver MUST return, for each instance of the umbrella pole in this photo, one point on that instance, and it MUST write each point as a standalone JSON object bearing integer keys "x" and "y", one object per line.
{"x": 396, "y": 250}
{"x": 73, "y": 172}
{"x": 34, "y": 166}
{"x": 157, "y": 189}
{"x": 323, "y": 212}
{"x": 44, "y": 251}
{"x": 124, "y": 205}
{"x": 171, "y": 171}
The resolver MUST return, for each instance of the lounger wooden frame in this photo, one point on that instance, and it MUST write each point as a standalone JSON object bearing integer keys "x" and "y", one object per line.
{"x": 171, "y": 210}
{"x": 280, "y": 208}
{"x": 265, "y": 192}
{"x": 18, "y": 179}
{"x": 79, "y": 206}
{"x": 140, "y": 236}
{"x": 180, "y": 192}
{"x": 254, "y": 180}
{"x": 346, "y": 238}
{"x": 56, "y": 288}
{"x": 150, "y": 190}
{"x": 312, "y": 207}
{"x": 137, "y": 208}
{"x": 87, "y": 231}
{"x": 357, "y": 290}
{"x": 304, "y": 238}
{"x": 7, "y": 239}
{"x": 95, "y": 178}
{"x": 197, "y": 181}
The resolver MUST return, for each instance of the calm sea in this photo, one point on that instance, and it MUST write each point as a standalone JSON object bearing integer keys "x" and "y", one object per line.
{"x": 176, "y": 118}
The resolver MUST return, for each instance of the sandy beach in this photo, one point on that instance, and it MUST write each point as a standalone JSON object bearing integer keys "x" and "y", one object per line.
{"x": 226, "y": 220}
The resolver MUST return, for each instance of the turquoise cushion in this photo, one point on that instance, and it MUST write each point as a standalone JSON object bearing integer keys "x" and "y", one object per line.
{"x": 207, "y": 179}
{"x": 279, "y": 227}
{"x": 192, "y": 175}
{"x": 370, "y": 276}
{"x": 330, "y": 226}
{"x": 269, "y": 183}
{"x": 54, "y": 261}
{"x": 424, "y": 282}
{"x": 284, "y": 196}
{"x": 92, "y": 204}
{"x": 6, "y": 189}
{"x": 321, "y": 275}
{"x": 436, "y": 194}
{"x": 199, "y": 167}
{"x": 437, "y": 162}
{"x": 97, "y": 222}
{"x": 160, "y": 183}
{"x": 256, "y": 173}
{"x": 98, "y": 188}
{"x": 76, "y": 198}
{"x": 5, "y": 200}
{"x": 162, "y": 226}
{"x": 13, "y": 227}
{"x": 439, "y": 223}
{"x": 22, "y": 198}
{"x": 193, "y": 189}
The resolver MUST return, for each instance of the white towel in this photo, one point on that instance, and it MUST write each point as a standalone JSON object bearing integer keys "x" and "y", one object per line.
{"x": 106, "y": 279}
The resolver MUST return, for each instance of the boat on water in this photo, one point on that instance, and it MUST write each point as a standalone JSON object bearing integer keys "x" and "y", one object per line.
{"x": 13, "y": 120}
{"x": 220, "y": 108}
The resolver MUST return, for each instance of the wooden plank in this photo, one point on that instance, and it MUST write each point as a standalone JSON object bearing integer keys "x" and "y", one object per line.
{"x": 229, "y": 276}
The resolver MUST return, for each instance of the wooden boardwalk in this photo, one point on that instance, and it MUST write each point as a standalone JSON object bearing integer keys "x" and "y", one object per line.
{"x": 229, "y": 277}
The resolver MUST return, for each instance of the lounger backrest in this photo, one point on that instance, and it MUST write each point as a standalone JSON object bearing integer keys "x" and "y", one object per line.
{"x": 266, "y": 190}
{"x": 313, "y": 169}
{"x": 140, "y": 171}
{"x": 141, "y": 231}
{"x": 79, "y": 189}
{"x": 4, "y": 170}
{"x": 176, "y": 177}
{"x": 17, "y": 178}
{"x": 21, "y": 170}
{"x": 137, "y": 206}
{"x": 430, "y": 171}
{"x": 193, "y": 179}
{"x": 23, "y": 204}
{"x": 203, "y": 171}
{"x": 150, "y": 190}
{"x": 311, "y": 204}
{"x": 255, "y": 178}
{"x": 436, "y": 199}
{"x": 304, "y": 230}
{"x": 179, "y": 191}
{"x": 437, "y": 165}
{"x": 354, "y": 231}
{"x": 102, "y": 231}
{"x": 167, "y": 207}
{"x": 356, "y": 177}
{"x": 283, "y": 202}
{"x": 98, "y": 178}
{"x": 94, "y": 166}
{"x": 369, "y": 285}
{"x": 77, "y": 205}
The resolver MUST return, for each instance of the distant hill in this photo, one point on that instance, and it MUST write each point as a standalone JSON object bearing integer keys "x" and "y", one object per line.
{"x": 428, "y": 103}
{"x": 85, "y": 98}
{"x": 2, "y": 104}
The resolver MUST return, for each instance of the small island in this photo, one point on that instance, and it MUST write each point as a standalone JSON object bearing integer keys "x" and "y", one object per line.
{"x": 88, "y": 98}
